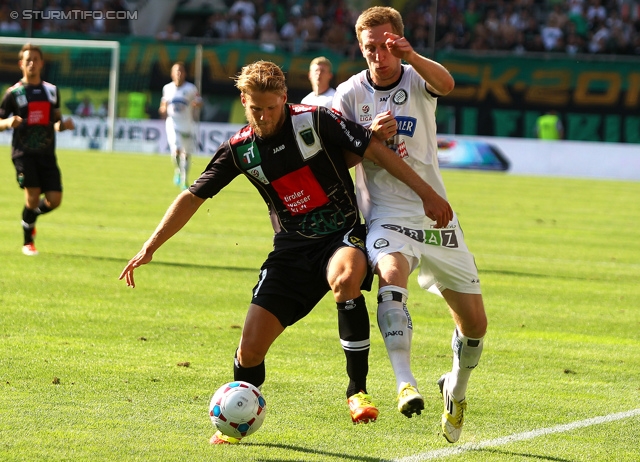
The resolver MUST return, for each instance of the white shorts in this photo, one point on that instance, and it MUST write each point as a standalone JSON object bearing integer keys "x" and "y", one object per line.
{"x": 443, "y": 256}
{"x": 180, "y": 141}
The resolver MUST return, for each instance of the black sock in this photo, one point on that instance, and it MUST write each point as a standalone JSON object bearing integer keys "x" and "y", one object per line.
{"x": 28, "y": 222}
{"x": 42, "y": 207}
{"x": 254, "y": 375}
{"x": 353, "y": 326}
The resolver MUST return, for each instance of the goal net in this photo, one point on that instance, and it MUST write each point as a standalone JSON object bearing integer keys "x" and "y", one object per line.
{"x": 86, "y": 73}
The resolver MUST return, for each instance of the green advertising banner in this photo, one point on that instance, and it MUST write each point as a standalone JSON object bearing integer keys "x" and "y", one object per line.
{"x": 596, "y": 97}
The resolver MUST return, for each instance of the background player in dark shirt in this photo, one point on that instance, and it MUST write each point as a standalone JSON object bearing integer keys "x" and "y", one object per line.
{"x": 294, "y": 156}
{"x": 35, "y": 106}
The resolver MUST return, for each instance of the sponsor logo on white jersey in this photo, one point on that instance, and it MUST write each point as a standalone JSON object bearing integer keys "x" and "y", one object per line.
{"x": 406, "y": 125}
{"x": 365, "y": 114}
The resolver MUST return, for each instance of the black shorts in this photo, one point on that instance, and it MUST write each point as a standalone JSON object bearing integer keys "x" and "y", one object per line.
{"x": 293, "y": 281}
{"x": 38, "y": 171}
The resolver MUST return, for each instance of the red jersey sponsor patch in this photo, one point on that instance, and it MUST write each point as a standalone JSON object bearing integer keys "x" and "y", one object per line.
{"x": 402, "y": 150}
{"x": 39, "y": 113}
{"x": 299, "y": 191}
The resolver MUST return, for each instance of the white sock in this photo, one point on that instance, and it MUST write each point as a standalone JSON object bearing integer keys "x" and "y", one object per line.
{"x": 396, "y": 328}
{"x": 466, "y": 354}
{"x": 184, "y": 168}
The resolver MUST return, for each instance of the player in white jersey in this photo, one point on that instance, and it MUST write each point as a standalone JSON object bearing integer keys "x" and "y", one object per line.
{"x": 179, "y": 101}
{"x": 320, "y": 76}
{"x": 398, "y": 102}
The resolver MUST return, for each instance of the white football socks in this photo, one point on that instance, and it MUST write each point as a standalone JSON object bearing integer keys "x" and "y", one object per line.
{"x": 396, "y": 328}
{"x": 184, "y": 168}
{"x": 466, "y": 354}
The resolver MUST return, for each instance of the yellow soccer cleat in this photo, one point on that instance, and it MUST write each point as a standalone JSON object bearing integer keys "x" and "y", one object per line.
{"x": 410, "y": 401}
{"x": 220, "y": 438}
{"x": 362, "y": 409}
{"x": 453, "y": 415}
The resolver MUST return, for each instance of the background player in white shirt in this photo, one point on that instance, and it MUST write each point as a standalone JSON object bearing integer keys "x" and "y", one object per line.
{"x": 180, "y": 99}
{"x": 320, "y": 75}
{"x": 398, "y": 102}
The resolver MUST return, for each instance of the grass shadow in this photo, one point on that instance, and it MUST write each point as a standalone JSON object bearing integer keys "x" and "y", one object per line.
{"x": 163, "y": 263}
{"x": 523, "y": 455}
{"x": 337, "y": 455}
{"x": 533, "y": 275}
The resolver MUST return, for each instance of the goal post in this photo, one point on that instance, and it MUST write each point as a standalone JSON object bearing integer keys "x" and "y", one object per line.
{"x": 84, "y": 45}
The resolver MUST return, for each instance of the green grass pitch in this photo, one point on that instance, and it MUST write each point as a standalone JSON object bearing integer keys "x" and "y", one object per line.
{"x": 91, "y": 370}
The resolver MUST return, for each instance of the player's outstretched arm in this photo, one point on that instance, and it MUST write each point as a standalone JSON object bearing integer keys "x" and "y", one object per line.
{"x": 176, "y": 216}
{"x": 435, "y": 207}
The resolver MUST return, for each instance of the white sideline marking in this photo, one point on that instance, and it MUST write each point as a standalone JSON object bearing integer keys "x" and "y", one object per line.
{"x": 518, "y": 437}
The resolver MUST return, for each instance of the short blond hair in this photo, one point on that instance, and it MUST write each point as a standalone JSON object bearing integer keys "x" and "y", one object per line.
{"x": 321, "y": 60}
{"x": 378, "y": 16}
{"x": 261, "y": 76}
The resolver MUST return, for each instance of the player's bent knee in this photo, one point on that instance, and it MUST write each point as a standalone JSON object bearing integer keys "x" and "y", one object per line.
{"x": 475, "y": 327}
{"x": 347, "y": 283}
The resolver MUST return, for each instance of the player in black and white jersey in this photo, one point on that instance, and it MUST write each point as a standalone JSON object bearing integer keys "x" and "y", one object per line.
{"x": 398, "y": 102}
{"x": 293, "y": 155}
{"x": 35, "y": 105}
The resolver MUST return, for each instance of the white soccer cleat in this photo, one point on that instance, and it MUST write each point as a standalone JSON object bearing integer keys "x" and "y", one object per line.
{"x": 29, "y": 249}
{"x": 410, "y": 401}
{"x": 453, "y": 415}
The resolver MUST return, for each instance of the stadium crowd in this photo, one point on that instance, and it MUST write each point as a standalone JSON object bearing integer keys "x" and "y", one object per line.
{"x": 45, "y": 18}
{"x": 563, "y": 26}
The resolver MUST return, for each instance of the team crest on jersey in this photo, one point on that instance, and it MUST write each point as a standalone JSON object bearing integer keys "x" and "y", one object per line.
{"x": 307, "y": 137}
{"x": 258, "y": 174}
{"x": 248, "y": 155}
{"x": 380, "y": 243}
{"x": 50, "y": 90}
{"x": 365, "y": 113}
{"x": 400, "y": 97}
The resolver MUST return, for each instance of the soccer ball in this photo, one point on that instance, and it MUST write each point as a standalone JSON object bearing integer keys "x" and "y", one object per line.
{"x": 237, "y": 409}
